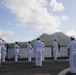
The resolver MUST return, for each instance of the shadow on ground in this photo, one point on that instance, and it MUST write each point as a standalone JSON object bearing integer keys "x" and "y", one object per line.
{"x": 24, "y": 68}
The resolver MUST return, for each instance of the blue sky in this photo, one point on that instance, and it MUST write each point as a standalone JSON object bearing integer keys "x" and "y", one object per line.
{"x": 24, "y": 20}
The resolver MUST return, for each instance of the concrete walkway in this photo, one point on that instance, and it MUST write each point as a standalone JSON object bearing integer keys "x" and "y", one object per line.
{"x": 50, "y": 67}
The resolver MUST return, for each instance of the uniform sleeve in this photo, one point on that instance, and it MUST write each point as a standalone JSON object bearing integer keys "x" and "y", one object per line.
{"x": 56, "y": 45}
{"x": 18, "y": 46}
{"x": 31, "y": 47}
{"x": 43, "y": 44}
{"x": 4, "y": 47}
{"x": 2, "y": 43}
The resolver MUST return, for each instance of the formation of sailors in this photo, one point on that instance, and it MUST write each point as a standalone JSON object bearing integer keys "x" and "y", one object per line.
{"x": 39, "y": 52}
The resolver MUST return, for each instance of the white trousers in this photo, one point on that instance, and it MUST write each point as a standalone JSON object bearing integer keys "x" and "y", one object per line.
{"x": 3, "y": 55}
{"x": 29, "y": 56}
{"x": 55, "y": 53}
{"x": 73, "y": 62}
{"x": 16, "y": 55}
{"x": 38, "y": 58}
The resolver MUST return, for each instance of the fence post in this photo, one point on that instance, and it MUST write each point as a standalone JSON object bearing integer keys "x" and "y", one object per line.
{"x": 68, "y": 53}
{"x": 52, "y": 51}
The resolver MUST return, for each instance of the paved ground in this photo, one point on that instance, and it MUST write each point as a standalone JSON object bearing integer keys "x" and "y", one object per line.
{"x": 68, "y": 73}
{"x": 50, "y": 67}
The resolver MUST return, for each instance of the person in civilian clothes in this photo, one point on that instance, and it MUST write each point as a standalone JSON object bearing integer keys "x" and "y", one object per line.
{"x": 29, "y": 48}
{"x": 72, "y": 51}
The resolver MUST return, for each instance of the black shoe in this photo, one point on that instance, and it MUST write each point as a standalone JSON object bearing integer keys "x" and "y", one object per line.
{"x": 3, "y": 62}
{"x": 16, "y": 62}
{"x": 72, "y": 73}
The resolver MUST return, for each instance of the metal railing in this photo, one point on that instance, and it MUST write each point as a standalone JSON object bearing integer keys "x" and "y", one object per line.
{"x": 48, "y": 52}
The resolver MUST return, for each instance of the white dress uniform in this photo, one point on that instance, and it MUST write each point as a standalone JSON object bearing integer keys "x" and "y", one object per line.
{"x": 16, "y": 51}
{"x": 29, "y": 48}
{"x": 55, "y": 50}
{"x": 38, "y": 46}
{"x": 72, "y": 47}
{"x": 3, "y": 51}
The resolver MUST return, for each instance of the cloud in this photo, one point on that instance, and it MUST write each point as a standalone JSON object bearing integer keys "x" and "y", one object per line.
{"x": 4, "y": 34}
{"x": 71, "y": 32}
{"x": 56, "y": 6}
{"x": 64, "y": 17}
{"x": 34, "y": 13}
{"x": 30, "y": 31}
{"x": 1, "y": 6}
{"x": 20, "y": 40}
{"x": 9, "y": 23}
{"x": 43, "y": 2}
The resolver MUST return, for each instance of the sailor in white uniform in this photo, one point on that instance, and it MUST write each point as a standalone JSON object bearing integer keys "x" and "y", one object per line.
{"x": 72, "y": 50}
{"x": 2, "y": 50}
{"x": 38, "y": 47}
{"x": 29, "y": 48}
{"x": 55, "y": 49}
{"x": 16, "y": 51}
